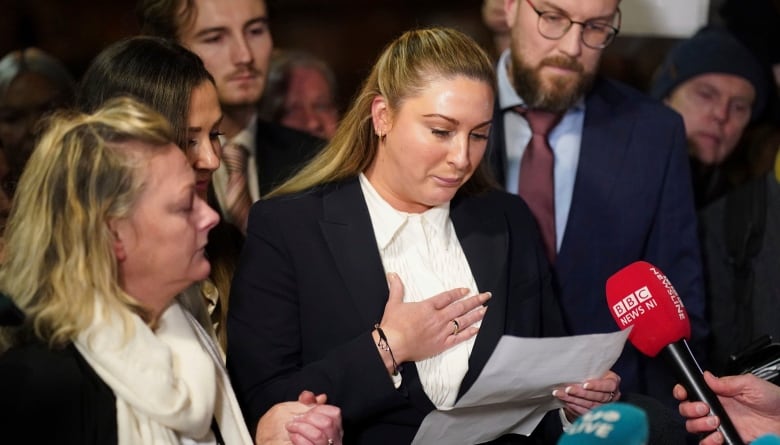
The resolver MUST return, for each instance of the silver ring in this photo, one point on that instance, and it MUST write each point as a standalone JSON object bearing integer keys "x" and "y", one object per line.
{"x": 611, "y": 396}
{"x": 457, "y": 327}
{"x": 330, "y": 441}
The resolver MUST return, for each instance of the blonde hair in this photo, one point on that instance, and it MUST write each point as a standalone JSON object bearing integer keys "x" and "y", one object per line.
{"x": 403, "y": 70}
{"x": 59, "y": 255}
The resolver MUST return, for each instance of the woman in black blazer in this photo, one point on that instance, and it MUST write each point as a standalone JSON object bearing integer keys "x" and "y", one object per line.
{"x": 400, "y": 190}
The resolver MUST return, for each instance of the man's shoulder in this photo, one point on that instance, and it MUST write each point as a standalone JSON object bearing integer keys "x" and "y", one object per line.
{"x": 274, "y": 136}
{"x": 618, "y": 90}
{"x": 280, "y": 152}
{"x": 619, "y": 95}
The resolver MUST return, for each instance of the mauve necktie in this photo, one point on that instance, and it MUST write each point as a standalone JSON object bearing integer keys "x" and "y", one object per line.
{"x": 237, "y": 200}
{"x": 536, "y": 184}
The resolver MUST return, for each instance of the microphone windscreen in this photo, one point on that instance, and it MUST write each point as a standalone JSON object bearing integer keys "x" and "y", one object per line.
{"x": 768, "y": 439}
{"x": 640, "y": 295}
{"x": 613, "y": 423}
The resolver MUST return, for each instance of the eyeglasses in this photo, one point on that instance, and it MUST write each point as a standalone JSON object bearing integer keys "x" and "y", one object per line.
{"x": 595, "y": 34}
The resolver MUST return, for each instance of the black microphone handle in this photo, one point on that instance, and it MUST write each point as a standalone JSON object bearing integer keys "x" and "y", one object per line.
{"x": 689, "y": 374}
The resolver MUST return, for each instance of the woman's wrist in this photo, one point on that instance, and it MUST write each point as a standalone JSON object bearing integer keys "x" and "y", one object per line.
{"x": 385, "y": 351}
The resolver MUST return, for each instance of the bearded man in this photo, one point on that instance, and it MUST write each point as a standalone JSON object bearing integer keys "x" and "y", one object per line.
{"x": 604, "y": 170}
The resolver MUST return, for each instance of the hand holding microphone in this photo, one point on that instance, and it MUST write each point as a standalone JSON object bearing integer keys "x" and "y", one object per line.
{"x": 752, "y": 403}
{"x": 640, "y": 295}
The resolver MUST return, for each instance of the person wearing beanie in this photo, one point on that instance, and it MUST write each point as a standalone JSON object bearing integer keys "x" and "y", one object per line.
{"x": 718, "y": 86}
{"x": 605, "y": 167}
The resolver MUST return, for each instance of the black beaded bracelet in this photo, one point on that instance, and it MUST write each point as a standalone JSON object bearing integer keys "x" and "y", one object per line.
{"x": 385, "y": 346}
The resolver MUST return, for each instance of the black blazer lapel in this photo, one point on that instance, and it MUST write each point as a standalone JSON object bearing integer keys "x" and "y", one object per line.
{"x": 346, "y": 223}
{"x": 485, "y": 244}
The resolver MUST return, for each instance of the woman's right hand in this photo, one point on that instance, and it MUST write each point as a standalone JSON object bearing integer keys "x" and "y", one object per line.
{"x": 416, "y": 331}
{"x": 752, "y": 404}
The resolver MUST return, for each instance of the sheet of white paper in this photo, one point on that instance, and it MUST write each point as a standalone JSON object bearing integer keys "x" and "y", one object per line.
{"x": 514, "y": 390}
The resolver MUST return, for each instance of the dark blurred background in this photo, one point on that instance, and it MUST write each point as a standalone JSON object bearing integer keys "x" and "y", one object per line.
{"x": 346, "y": 33}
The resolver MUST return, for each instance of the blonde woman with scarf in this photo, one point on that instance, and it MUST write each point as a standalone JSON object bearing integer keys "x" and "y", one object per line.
{"x": 107, "y": 230}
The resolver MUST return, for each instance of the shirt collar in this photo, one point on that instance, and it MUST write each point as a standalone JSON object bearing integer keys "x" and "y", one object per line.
{"x": 245, "y": 137}
{"x": 387, "y": 221}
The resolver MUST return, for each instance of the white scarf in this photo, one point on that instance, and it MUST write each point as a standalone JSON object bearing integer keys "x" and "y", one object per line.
{"x": 168, "y": 383}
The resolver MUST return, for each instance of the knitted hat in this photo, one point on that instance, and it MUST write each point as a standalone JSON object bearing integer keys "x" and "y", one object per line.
{"x": 711, "y": 50}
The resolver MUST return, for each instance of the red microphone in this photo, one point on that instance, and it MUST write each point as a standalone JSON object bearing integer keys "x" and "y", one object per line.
{"x": 640, "y": 295}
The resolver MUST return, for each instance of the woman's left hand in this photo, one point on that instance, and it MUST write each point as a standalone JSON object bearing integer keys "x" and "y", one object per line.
{"x": 320, "y": 425}
{"x": 583, "y": 397}
{"x": 308, "y": 421}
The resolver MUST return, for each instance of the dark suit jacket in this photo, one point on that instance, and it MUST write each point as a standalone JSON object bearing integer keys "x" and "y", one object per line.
{"x": 280, "y": 152}
{"x": 632, "y": 201}
{"x": 310, "y": 286}
{"x": 53, "y": 396}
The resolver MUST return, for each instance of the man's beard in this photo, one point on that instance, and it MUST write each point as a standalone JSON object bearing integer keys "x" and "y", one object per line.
{"x": 557, "y": 97}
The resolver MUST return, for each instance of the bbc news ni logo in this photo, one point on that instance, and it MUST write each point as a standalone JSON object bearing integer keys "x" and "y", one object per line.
{"x": 634, "y": 305}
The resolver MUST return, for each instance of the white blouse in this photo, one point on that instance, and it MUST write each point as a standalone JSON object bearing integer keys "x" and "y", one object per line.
{"x": 423, "y": 249}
